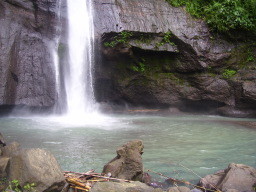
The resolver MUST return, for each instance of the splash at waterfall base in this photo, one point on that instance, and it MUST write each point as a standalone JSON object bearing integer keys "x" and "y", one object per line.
{"x": 41, "y": 168}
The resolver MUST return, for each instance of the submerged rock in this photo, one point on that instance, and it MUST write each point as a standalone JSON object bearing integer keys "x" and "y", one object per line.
{"x": 128, "y": 162}
{"x": 237, "y": 177}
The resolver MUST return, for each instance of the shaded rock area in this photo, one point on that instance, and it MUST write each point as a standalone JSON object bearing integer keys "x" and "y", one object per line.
{"x": 27, "y": 33}
{"x": 154, "y": 55}
{"x": 128, "y": 162}
{"x": 236, "y": 177}
{"x": 29, "y": 166}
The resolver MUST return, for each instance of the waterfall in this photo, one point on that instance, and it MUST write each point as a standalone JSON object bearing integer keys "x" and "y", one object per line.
{"x": 54, "y": 48}
{"x": 78, "y": 81}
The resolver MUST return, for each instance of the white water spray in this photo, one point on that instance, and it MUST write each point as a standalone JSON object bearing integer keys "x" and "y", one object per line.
{"x": 79, "y": 88}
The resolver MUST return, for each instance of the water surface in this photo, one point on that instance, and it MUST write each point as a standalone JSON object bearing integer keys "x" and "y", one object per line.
{"x": 203, "y": 144}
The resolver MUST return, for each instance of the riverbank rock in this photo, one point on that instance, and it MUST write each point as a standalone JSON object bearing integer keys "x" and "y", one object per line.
{"x": 178, "y": 189}
{"x": 36, "y": 166}
{"x": 29, "y": 166}
{"x": 2, "y": 142}
{"x": 237, "y": 177}
{"x": 123, "y": 187}
{"x": 128, "y": 162}
{"x": 11, "y": 149}
{"x": 231, "y": 111}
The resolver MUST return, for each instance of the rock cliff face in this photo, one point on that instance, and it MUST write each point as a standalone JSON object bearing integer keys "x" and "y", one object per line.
{"x": 150, "y": 54}
{"x": 26, "y": 64}
{"x": 156, "y": 55}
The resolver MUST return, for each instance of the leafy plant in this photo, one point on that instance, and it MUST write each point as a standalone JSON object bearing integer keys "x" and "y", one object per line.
{"x": 110, "y": 44}
{"x": 140, "y": 67}
{"x": 166, "y": 39}
{"x": 14, "y": 185}
{"x": 229, "y": 15}
{"x": 228, "y": 73}
{"x": 122, "y": 38}
{"x": 222, "y": 15}
{"x": 250, "y": 56}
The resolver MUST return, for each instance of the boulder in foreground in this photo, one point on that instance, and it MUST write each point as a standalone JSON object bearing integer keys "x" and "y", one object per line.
{"x": 29, "y": 166}
{"x": 237, "y": 177}
{"x": 123, "y": 187}
{"x": 36, "y": 166}
{"x": 128, "y": 162}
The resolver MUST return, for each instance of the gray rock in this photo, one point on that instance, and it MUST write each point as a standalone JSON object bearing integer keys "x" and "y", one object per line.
{"x": 186, "y": 74}
{"x": 3, "y": 166}
{"x": 231, "y": 190}
{"x": 195, "y": 190}
{"x": 178, "y": 189}
{"x": 249, "y": 90}
{"x": 22, "y": 3}
{"x": 36, "y": 166}
{"x": 26, "y": 64}
{"x": 231, "y": 111}
{"x": 213, "y": 88}
{"x": 11, "y": 149}
{"x": 153, "y": 45}
{"x": 236, "y": 177}
{"x": 128, "y": 162}
{"x": 122, "y": 187}
{"x": 148, "y": 17}
{"x": 157, "y": 190}
{"x": 2, "y": 142}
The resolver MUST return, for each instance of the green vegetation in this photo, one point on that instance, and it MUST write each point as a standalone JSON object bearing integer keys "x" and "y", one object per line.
{"x": 122, "y": 38}
{"x": 140, "y": 66}
{"x": 223, "y": 15}
{"x": 166, "y": 39}
{"x": 243, "y": 57}
{"x": 250, "y": 56}
{"x": 14, "y": 185}
{"x": 144, "y": 38}
{"x": 228, "y": 73}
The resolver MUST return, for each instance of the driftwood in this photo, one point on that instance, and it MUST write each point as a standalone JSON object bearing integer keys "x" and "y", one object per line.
{"x": 84, "y": 181}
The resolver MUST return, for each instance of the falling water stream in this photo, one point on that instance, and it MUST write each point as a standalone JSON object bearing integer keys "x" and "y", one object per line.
{"x": 79, "y": 88}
